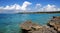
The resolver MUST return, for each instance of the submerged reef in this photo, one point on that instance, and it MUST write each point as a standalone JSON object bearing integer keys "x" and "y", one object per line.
{"x": 53, "y": 26}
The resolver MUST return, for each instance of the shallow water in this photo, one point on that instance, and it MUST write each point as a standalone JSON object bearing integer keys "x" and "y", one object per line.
{"x": 9, "y": 23}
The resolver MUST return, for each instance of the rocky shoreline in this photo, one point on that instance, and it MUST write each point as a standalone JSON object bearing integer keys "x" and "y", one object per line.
{"x": 53, "y": 26}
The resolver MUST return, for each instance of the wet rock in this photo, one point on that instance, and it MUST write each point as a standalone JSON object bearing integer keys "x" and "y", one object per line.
{"x": 29, "y": 27}
{"x": 55, "y": 23}
{"x": 45, "y": 30}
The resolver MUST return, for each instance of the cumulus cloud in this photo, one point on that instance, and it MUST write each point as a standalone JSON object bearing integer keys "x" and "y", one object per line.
{"x": 38, "y": 8}
{"x": 48, "y": 8}
{"x": 16, "y": 6}
{"x": 25, "y": 4}
{"x": 38, "y": 4}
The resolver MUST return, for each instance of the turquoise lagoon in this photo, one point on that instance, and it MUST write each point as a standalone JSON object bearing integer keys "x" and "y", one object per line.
{"x": 10, "y": 23}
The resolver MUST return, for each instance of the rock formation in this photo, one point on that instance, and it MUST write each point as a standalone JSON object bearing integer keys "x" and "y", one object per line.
{"x": 29, "y": 27}
{"x": 55, "y": 23}
{"x": 53, "y": 26}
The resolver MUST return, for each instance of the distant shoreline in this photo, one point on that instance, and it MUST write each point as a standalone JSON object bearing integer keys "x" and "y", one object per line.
{"x": 37, "y": 12}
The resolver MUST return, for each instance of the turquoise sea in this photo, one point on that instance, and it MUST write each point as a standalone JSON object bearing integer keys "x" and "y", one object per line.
{"x": 10, "y": 23}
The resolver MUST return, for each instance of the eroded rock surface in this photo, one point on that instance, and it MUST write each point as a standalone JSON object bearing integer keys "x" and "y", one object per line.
{"x": 55, "y": 23}
{"x": 29, "y": 27}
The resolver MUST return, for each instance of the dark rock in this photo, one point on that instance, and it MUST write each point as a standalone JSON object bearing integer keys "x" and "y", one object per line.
{"x": 55, "y": 23}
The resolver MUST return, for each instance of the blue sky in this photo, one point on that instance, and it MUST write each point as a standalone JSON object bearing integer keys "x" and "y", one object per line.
{"x": 38, "y": 5}
{"x": 43, "y": 2}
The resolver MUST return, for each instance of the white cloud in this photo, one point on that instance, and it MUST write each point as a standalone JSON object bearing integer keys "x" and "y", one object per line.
{"x": 47, "y": 8}
{"x": 38, "y": 7}
{"x": 38, "y": 4}
{"x": 25, "y": 4}
{"x": 10, "y": 7}
{"x": 50, "y": 8}
{"x": 16, "y": 6}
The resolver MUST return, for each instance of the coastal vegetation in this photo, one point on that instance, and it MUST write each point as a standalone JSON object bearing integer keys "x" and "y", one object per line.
{"x": 38, "y": 12}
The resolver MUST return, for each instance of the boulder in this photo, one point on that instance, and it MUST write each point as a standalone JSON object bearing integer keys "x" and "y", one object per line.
{"x": 55, "y": 23}
{"x": 29, "y": 27}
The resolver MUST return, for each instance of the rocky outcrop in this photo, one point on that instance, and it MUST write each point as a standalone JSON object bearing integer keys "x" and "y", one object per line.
{"x": 55, "y": 23}
{"x": 53, "y": 26}
{"x": 29, "y": 27}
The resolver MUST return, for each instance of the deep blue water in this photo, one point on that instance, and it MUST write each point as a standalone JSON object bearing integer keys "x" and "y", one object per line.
{"x": 10, "y": 23}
